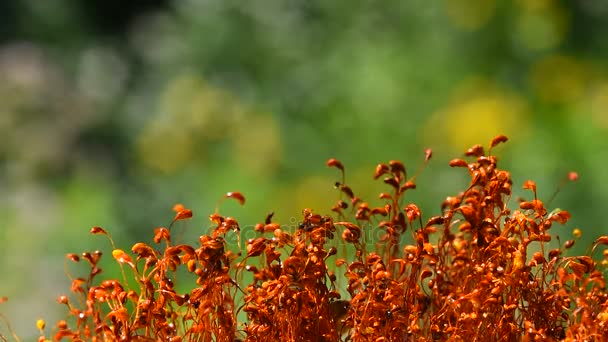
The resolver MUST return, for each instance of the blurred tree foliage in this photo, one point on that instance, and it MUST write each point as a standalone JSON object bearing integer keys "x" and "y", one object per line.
{"x": 111, "y": 111}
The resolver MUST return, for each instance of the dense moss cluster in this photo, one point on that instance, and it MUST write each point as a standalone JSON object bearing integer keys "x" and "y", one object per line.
{"x": 479, "y": 271}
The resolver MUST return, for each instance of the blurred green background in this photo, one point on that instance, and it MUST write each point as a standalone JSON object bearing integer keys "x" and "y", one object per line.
{"x": 112, "y": 111}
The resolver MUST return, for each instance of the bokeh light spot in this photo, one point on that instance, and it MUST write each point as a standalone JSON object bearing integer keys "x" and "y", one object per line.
{"x": 479, "y": 111}
{"x": 164, "y": 148}
{"x": 558, "y": 79}
{"x": 599, "y": 103}
{"x": 257, "y": 144}
{"x": 540, "y": 27}
{"x": 469, "y": 15}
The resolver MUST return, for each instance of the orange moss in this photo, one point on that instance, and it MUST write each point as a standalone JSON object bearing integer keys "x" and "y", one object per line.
{"x": 477, "y": 271}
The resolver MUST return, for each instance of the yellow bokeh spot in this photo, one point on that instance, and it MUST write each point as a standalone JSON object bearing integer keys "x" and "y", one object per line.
{"x": 469, "y": 15}
{"x": 577, "y": 233}
{"x": 313, "y": 192}
{"x": 478, "y": 112}
{"x": 599, "y": 105}
{"x": 541, "y": 26}
{"x": 165, "y": 148}
{"x": 200, "y": 106}
{"x": 191, "y": 115}
{"x": 559, "y": 79}
{"x": 535, "y": 5}
{"x": 256, "y": 142}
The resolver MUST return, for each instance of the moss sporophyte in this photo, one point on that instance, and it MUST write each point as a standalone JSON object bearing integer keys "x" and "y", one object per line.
{"x": 480, "y": 271}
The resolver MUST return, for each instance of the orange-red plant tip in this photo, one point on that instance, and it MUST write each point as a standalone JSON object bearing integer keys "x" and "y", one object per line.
{"x": 62, "y": 324}
{"x": 529, "y": 185}
{"x": 428, "y": 154}
{"x": 117, "y": 253}
{"x": 121, "y": 256}
{"x": 498, "y": 139}
{"x": 40, "y": 324}
{"x": 98, "y": 230}
{"x": 458, "y": 163}
{"x": 178, "y": 207}
{"x": 474, "y": 151}
{"x": 573, "y": 176}
{"x": 237, "y": 196}
{"x": 332, "y": 162}
{"x": 63, "y": 299}
{"x": 381, "y": 169}
{"x": 602, "y": 240}
{"x": 72, "y": 256}
{"x": 183, "y": 214}
{"x": 397, "y": 167}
